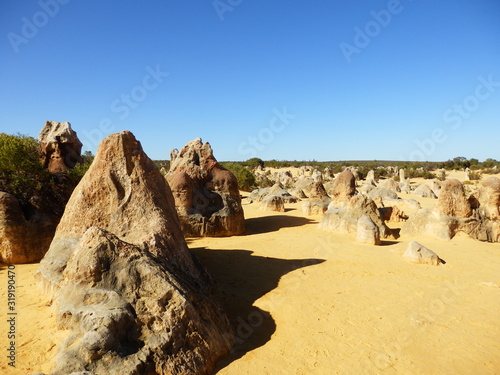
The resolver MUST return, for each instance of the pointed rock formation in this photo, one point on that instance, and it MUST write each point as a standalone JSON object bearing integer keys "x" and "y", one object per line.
{"x": 318, "y": 200}
{"x": 206, "y": 195}
{"x": 60, "y": 146}
{"x": 122, "y": 278}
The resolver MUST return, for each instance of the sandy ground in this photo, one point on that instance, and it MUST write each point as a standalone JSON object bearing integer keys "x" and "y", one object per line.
{"x": 305, "y": 301}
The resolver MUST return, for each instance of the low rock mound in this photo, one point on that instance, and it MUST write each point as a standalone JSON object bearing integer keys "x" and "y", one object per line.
{"x": 122, "y": 278}
{"x": 416, "y": 253}
{"x": 206, "y": 195}
{"x": 424, "y": 191}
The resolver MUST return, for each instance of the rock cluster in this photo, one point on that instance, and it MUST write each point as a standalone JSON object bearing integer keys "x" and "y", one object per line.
{"x": 206, "y": 195}
{"x": 353, "y": 213}
{"x": 454, "y": 212}
{"x": 122, "y": 278}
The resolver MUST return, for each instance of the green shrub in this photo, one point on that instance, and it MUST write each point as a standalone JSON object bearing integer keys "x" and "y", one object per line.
{"x": 21, "y": 172}
{"x": 246, "y": 180}
{"x": 474, "y": 176}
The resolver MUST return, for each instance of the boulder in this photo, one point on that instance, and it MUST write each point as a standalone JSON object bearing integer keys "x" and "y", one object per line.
{"x": 344, "y": 186}
{"x": 424, "y": 191}
{"x": 344, "y": 217}
{"x": 489, "y": 199}
{"x": 389, "y": 184}
{"x": 370, "y": 178}
{"x": 383, "y": 193}
{"x": 416, "y": 253}
{"x": 367, "y": 231}
{"x": 273, "y": 203}
{"x": 24, "y": 239}
{"x": 452, "y": 200}
{"x": 318, "y": 200}
{"x": 393, "y": 214}
{"x": 206, "y": 195}
{"x": 123, "y": 282}
{"x": 59, "y": 146}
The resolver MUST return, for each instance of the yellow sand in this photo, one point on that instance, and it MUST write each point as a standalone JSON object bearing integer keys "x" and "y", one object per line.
{"x": 304, "y": 301}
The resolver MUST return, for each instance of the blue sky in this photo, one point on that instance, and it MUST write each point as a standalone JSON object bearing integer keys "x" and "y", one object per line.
{"x": 323, "y": 80}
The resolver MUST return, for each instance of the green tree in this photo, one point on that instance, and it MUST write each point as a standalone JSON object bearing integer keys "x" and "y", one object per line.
{"x": 21, "y": 172}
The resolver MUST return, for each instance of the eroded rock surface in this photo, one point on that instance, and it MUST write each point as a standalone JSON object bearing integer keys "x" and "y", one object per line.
{"x": 60, "y": 146}
{"x": 122, "y": 278}
{"x": 206, "y": 195}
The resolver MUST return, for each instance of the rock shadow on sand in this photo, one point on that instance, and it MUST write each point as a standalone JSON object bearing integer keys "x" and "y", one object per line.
{"x": 266, "y": 224}
{"x": 241, "y": 279}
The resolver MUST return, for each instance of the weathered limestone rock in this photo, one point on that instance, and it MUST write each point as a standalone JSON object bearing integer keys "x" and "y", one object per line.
{"x": 393, "y": 214}
{"x": 367, "y": 231}
{"x": 206, "y": 195}
{"x": 452, "y": 200}
{"x": 60, "y": 146}
{"x": 343, "y": 217}
{"x": 258, "y": 195}
{"x": 389, "y": 184}
{"x": 424, "y": 191}
{"x": 23, "y": 240}
{"x": 416, "y": 253}
{"x": 344, "y": 186}
{"x": 318, "y": 200}
{"x": 383, "y": 193}
{"x": 122, "y": 278}
{"x": 489, "y": 199}
{"x": 273, "y": 203}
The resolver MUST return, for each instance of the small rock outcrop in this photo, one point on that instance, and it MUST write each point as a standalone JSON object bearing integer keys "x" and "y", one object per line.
{"x": 23, "y": 240}
{"x": 424, "y": 191}
{"x": 60, "y": 146}
{"x": 273, "y": 203}
{"x": 416, "y": 253}
{"x": 206, "y": 195}
{"x": 452, "y": 200}
{"x": 344, "y": 186}
{"x": 318, "y": 200}
{"x": 367, "y": 231}
{"x": 344, "y": 217}
{"x": 122, "y": 279}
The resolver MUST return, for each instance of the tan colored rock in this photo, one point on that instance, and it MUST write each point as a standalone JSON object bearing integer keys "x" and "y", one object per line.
{"x": 344, "y": 186}
{"x": 206, "y": 195}
{"x": 318, "y": 200}
{"x": 389, "y": 184}
{"x": 122, "y": 278}
{"x": 23, "y": 240}
{"x": 60, "y": 146}
{"x": 273, "y": 203}
{"x": 452, "y": 200}
{"x": 367, "y": 231}
{"x": 416, "y": 253}
{"x": 489, "y": 199}
{"x": 344, "y": 218}
{"x": 424, "y": 191}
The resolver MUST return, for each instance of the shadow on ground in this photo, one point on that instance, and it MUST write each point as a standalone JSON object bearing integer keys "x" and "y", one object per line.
{"x": 241, "y": 279}
{"x": 273, "y": 223}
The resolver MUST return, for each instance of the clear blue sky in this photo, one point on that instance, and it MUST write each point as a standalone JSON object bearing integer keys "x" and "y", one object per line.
{"x": 323, "y": 79}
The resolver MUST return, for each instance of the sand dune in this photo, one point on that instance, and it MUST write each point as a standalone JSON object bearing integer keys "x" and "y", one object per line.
{"x": 304, "y": 301}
